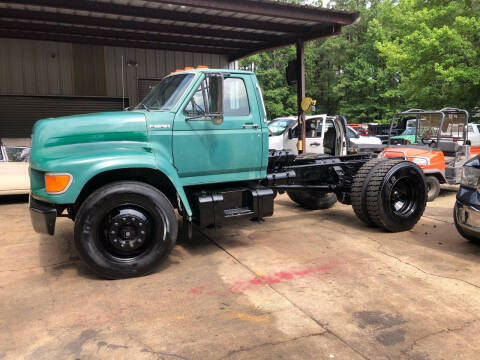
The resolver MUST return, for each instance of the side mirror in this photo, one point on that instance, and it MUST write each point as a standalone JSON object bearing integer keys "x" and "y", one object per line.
{"x": 468, "y": 142}
{"x": 215, "y": 90}
{"x": 290, "y": 134}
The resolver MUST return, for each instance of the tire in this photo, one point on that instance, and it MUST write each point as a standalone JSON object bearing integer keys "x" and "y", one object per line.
{"x": 433, "y": 186}
{"x": 359, "y": 190}
{"x": 473, "y": 239}
{"x": 125, "y": 229}
{"x": 312, "y": 200}
{"x": 396, "y": 195}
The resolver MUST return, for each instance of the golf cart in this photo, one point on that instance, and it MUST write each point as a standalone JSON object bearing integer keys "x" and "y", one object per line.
{"x": 439, "y": 144}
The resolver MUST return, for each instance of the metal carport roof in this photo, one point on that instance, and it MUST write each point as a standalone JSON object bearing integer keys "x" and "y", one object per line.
{"x": 235, "y": 28}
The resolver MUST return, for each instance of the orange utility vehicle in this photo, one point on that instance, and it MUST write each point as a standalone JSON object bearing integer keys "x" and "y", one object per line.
{"x": 441, "y": 146}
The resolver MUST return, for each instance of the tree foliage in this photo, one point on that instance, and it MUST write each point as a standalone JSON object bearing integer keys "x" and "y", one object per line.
{"x": 401, "y": 54}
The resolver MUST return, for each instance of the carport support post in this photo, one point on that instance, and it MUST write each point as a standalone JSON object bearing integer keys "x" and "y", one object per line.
{"x": 301, "y": 93}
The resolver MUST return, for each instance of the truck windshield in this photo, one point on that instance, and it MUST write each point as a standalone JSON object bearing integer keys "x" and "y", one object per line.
{"x": 410, "y": 131}
{"x": 166, "y": 94}
{"x": 278, "y": 126}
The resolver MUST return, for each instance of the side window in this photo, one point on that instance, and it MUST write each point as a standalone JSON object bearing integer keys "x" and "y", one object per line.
{"x": 196, "y": 105}
{"x": 311, "y": 128}
{"x": 235, "y": 98}
{"x": 351, "y": 134}
{"x": 295, "y": 132}
{"x": 17, "y": 154}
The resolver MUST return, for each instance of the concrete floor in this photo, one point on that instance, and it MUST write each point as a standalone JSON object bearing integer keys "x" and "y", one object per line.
{"x": 301, "y": 285}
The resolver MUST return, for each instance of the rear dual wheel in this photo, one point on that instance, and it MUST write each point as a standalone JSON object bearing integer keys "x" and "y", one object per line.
{"x": 125, "y": 229}
{"x": 390, "y": 194}
{"x": 313, "y": 200}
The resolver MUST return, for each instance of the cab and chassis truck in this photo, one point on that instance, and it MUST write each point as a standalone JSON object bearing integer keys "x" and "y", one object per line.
{"x": 198, "y": 143}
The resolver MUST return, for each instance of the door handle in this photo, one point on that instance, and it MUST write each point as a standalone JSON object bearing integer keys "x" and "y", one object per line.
{"x": 315, "y": 144}
{"x": 250, "y": 126}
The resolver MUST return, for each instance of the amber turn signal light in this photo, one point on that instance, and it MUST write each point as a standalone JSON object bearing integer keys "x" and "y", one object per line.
{"x": 57, "y": 183}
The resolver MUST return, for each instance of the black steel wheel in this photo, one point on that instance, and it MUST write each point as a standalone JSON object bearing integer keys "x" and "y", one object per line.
{"x": 396, "y": 195}
{"x": 433, "y": 186}
{"x": 313, "y": 200}
{"x": 125, "y": 229}
{"x": 359, "y": 190}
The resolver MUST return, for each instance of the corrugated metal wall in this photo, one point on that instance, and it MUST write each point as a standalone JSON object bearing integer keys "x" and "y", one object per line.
{"x": 18, "y": 113}
{"x": 29, "y": 67}
{"x": 43, "y": 68}
{"x": 149, "y": 64}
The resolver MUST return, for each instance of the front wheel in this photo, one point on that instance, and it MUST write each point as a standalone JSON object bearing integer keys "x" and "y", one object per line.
{"x": 433, "y": 186}
{"x": 125, "y": 229}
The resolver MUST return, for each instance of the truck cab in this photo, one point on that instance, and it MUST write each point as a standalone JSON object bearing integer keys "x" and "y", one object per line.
{"x": 196, "y": 147}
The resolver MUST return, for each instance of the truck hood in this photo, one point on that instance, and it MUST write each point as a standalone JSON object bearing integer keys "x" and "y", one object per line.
{"x": 64, "y": 136}
{"x": 367, "y": 140}
{"x": 410, "y": 152}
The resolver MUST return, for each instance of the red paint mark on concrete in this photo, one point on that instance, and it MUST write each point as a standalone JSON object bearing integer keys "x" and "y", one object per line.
{"x": 265, "y": 280}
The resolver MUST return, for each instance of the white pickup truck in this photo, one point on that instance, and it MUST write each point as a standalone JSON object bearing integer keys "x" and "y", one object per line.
{"x": 321, "y": 131}
{"x": 474, "y": 134}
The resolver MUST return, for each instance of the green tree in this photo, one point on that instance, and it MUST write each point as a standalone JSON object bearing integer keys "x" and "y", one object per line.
{"x": 434, "y": 47}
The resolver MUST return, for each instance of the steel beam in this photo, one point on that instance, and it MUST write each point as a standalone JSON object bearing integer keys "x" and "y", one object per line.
{"x": 161, "y": 13}
{"x": 317, "y": 33}
{"x": 271, "y": 9}
{"x": 71, "y": 38}
{"x": 133, "y": 25}
{"x": 130, "y": 35}
{"x": 301, "y": 93}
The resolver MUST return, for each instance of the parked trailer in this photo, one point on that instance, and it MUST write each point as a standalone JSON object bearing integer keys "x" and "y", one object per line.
{"x": 198, "y": 143}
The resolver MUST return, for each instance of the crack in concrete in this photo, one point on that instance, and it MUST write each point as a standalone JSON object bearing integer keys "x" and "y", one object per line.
{"x": 379, "y": 249}
{"x": 447, "y": 330}
{"x": 433, "y": 218}
{"x": 306, "y": 313}
{"x": 232, "y": 352}
{"x": 39, "y": 267}
{"x": 150, "y": 350}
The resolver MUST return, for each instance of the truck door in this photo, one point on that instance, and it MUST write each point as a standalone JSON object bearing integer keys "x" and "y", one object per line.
{"x": 315, "y": 129}
{"x": 204, "y": 152}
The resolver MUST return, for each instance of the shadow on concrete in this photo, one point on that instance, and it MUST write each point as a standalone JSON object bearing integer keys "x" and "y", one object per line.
{"x": 13, "y": 199}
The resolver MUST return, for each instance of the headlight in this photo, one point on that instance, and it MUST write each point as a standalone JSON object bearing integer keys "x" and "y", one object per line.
{"x": 421, "y": 161}
{"x": 470, "y": 177}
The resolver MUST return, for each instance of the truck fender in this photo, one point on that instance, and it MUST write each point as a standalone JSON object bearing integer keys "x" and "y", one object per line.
{"x": 88, "y": 168}
{"x": 440, "y": 175}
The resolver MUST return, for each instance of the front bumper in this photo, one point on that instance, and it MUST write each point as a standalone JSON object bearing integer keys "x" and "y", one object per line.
{"x": 468, "y": 218}
{"x": 43, "y": 216}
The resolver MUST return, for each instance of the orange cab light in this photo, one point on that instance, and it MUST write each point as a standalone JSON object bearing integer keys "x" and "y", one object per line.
{"x": 202, "y": 67}
{"x": 178, "y": 70}
{"x": 172, "y": 72}
{"x": 188, "y": 68}
{"x": 57, "y": 183}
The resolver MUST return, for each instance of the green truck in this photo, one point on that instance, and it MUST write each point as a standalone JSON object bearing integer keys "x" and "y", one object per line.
{"x": 197, "y": 145}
